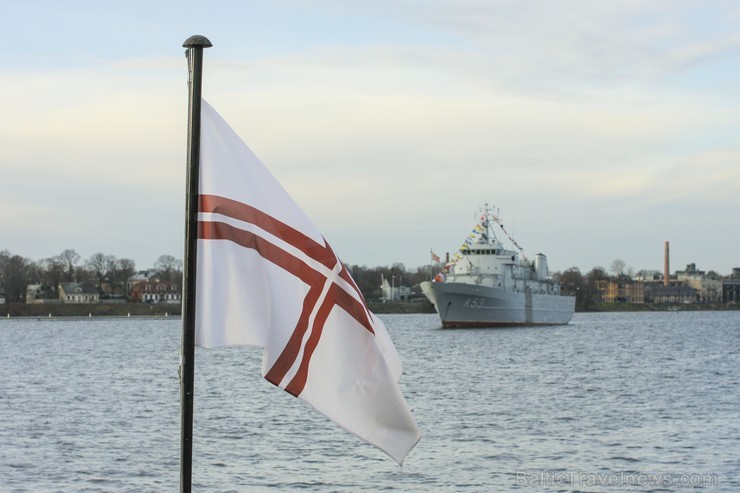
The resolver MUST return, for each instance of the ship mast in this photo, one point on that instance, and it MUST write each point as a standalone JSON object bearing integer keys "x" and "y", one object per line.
{"x": 486, "y": 225}
{"x": 489, "y": 213}
{"x": 488, "y": 232}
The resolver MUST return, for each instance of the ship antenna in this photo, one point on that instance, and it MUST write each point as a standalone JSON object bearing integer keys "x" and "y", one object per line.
{"x": 511, "y": 239}
{"x": 486, "y": 224}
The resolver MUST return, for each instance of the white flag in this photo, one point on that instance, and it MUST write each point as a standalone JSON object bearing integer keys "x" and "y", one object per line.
{"x": 266, "y": 277}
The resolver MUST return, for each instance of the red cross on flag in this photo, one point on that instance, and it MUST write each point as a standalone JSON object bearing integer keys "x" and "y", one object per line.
{"x": 266, "y": 277}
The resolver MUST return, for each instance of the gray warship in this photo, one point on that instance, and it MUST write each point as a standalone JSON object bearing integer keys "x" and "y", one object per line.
{"x": 487, "y": 285}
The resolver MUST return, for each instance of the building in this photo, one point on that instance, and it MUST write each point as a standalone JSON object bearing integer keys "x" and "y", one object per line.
{"x": 690, "y": 273}
{"x": 156, "y": 292}
{"x": 38, "y": 293}
{"x": 621, "y": 290}
{"x": 149, "y": 287}
{"x": 731, "y": 287}
{"x": 77, "y": 292}
{"x": 670, "y": 294}
{"x": 707, "y": 290}
{"x": 731, "y": 291}
{"x": 393, "y": 292}
{"x": 138, "y": 278}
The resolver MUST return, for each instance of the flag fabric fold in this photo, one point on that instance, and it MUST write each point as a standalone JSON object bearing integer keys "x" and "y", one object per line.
{"x": 266, "y": 277}
{"x": 435, "y": 257}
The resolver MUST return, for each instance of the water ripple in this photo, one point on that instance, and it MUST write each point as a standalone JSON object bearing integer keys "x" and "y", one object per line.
{"x": 93, "y": 405}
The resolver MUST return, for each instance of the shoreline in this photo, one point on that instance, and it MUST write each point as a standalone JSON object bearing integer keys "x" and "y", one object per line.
{"x": 163, "y": 310}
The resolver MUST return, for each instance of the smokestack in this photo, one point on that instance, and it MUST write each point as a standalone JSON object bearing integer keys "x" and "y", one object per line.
{"x": 666, "y": 266}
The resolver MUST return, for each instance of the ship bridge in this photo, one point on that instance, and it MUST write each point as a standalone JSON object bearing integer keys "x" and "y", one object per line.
{"x": 485, "y": 260}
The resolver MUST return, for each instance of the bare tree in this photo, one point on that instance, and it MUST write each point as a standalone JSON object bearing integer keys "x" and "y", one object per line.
{"x": 617, "y": 267}
{"x": 101, "y": 266}
{"x": 592, "y": 294}
{"x": 70, "y": 259}
{"x": 571, "y": 281}
{"x": 14, "y": 271}
{"x": 168, "y": 267}
{"x": 53, "y": 270}
{"x": 124, "y": 269}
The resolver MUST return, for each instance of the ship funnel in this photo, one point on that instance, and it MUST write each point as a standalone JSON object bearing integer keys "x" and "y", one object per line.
{"x": 540, "y": 266}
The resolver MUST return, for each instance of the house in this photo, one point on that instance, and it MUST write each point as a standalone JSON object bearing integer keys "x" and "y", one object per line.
{"x": 77, "y": 292}
{"x": 670, "y": 294}
{"x": 731, "y": 287}
{"x": 392, "y": 292}
{"x": 621, "y": 290}
{"x": 731, "y": 291}
{"x": 707, "y": 290}
{"x": 139, "y": 277}
{"x": 155, "y": 292}
{"x": 39, "y": 293}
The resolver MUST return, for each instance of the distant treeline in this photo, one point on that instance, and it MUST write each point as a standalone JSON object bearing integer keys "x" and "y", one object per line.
{"x": 17, "y": 272}
{"x": 110, "y": 274}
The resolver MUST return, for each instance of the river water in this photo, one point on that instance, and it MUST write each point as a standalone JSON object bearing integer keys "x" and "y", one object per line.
{"x": 611, "y": 402}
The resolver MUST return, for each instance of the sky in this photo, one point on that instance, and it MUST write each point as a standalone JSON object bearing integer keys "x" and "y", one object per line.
{"x": 599, "y": 130}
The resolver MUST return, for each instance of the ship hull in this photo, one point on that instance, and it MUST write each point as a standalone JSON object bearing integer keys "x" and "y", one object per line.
{"x": 462, "y": 305}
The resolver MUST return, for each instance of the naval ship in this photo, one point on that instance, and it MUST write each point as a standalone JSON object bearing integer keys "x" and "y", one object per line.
{"x": 487, "y": 285}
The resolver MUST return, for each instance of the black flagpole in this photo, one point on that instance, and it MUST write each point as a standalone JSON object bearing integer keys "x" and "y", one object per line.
{"x": 194, "y": 45}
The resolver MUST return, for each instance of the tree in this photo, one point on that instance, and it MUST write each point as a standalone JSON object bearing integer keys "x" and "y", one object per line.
{"x": 70, "y": 259}
{"x": 14, "y": 271}
{"x": 53, "y": 270}
{"x": 367, "y": 280}
{"x": 591, "y": 293}
{"x": 169, "y": 268}
{"x": 124, "y": 269}
{"x": 617, "y": 267}
{"x": 397, "y": 272}
{"x": 423, "y": 273}
{"x": 597, "y": 274}
{"x": 573, "y": 283}
{"x": 34, "y": 272}
{"x": 101, "y": 266}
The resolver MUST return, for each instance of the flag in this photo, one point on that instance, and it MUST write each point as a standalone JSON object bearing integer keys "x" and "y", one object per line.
{"x": 266, "y": 277}
{"x": 435, "y": 257}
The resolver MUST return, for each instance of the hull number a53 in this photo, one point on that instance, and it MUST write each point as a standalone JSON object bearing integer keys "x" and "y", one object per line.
{"x": 474, "y": 303}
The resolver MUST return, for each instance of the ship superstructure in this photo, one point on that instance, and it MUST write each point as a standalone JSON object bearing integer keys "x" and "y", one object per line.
{"x": 486, "y": 284}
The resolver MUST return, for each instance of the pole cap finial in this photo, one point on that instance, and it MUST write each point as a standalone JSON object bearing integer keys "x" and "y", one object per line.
{"x": 196, "y": 41}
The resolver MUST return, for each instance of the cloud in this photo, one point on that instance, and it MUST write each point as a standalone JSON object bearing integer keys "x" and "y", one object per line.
{"x": 399, "y": 118}
{"x": 95, "y": 125}
{"x": 568, "y": 46}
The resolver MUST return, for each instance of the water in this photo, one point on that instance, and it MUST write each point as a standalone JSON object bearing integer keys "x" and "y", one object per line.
{"x": 611, "y": 402}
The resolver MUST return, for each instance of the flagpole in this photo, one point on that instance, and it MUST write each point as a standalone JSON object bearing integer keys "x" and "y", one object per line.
{"x": 194, "y": 53}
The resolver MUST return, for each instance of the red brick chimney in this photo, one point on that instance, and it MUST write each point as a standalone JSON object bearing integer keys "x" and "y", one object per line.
{"x": 666, "y": 266}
